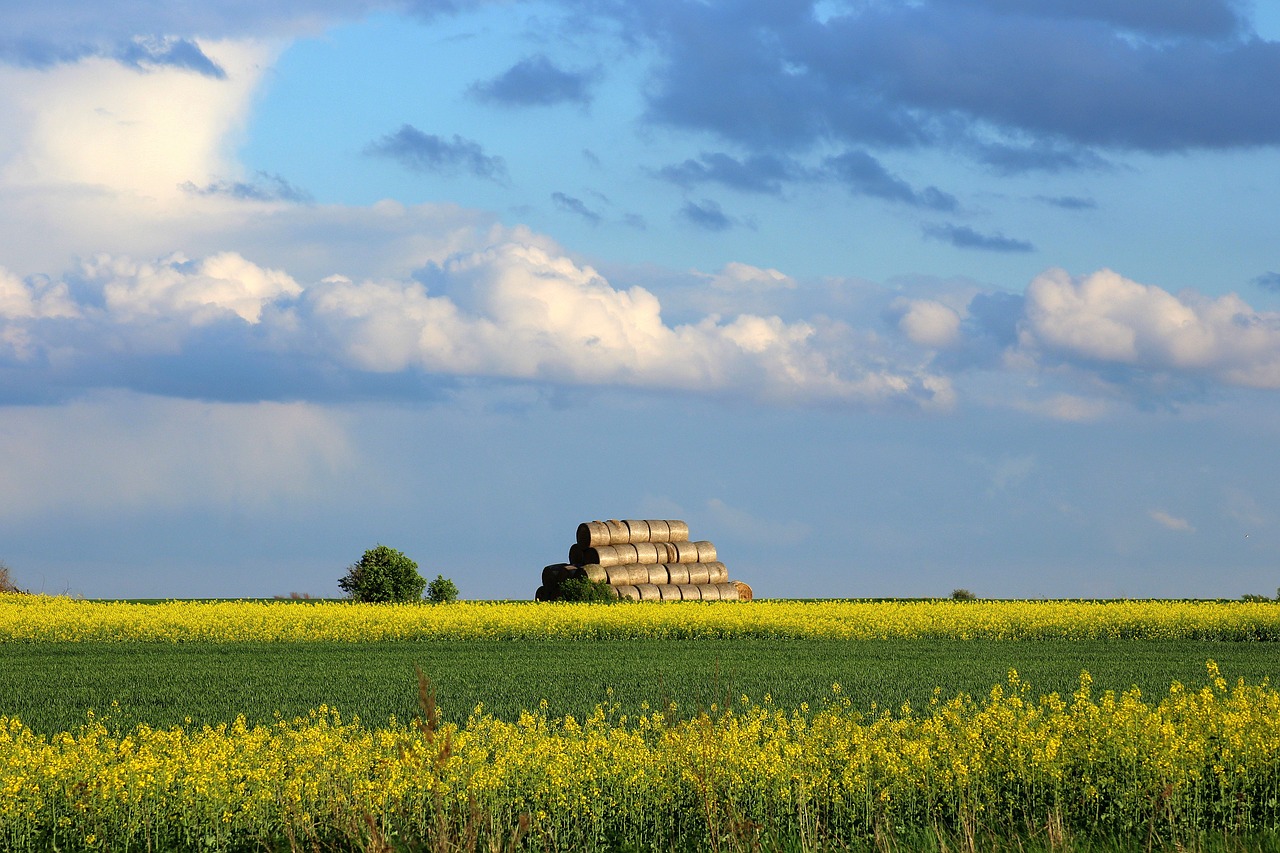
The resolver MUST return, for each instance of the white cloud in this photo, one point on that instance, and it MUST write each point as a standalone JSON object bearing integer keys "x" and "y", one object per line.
{"x": 1106, "y": 318}
{"x": 1170, "y": 522}
{"x": 1066, "y": 407}
{"x": 203, "y": 291}
{"x": 928, "y": 322}
{"x": 147, "y": 452}
{"x": 30, "y": 300}
{"x": 736, "y": 277}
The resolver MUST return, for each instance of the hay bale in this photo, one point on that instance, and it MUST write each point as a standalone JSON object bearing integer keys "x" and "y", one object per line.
{"x": 618, "y": 575}
{"x": 659, "y": 531}
{"x": 649, "y": 592}
{"x": 677, "y": 531}
{"x": 618, "y": 533}
{"x": 717, "y": 573}
{"x": 647, "y": 553}
{"x": 639, "y": 574}
{"x": 728, "y": 592}
{"x": 709, "y": 591}
{"x": 706, "y": 551}
{"x": 744, "y": 591}
{"x": 593, "y": 533}
{"x": 690, "y": 592}
{"x": 543, "y": 594}
{"x": 669, "y": 592}
{"x": 627, "y": 592}
{"x": 553, "y": 574}
{"x": 594, "y": 572}
{"x": 659, "y": 575}
{"x": 578, "y": 554}
{"x": 677, "y": 573}
{"x": 698, "y": 573}
{"x": 610, "y": 555}
{"x": 686, "y": 551}
{"x": 637, "y": 531}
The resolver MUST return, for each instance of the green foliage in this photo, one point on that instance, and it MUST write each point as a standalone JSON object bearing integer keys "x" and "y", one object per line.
{"x": 582, "y": 589}
{"x": 442, "y": 590}
{"x": 962, "y": 595}
{"x": 1253, "y": 598}
{"x": 383, "y": 574}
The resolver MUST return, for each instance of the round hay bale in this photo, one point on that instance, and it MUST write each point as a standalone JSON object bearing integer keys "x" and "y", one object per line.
{"x": 627, "y": 592}
{"x": 627, "y": 553}
{"x": 698, "y": 573}
{"x": 669, "y": 592}
{"x": 744, "y": 591}
{"x": 710, "y": 591}
{"x": 717, "y": 573}
{"x": 649, "y": 592}
{"x": 659, "y": 531}
{"x": 595, "y": 573}
{"x": 647, "y": 552}
{"x": 706, "y": 551}
{"x": 690, "y": 592}
{"x": 677, "y": 573}
{"x": 728, "y": 592}
{"x": 637, "y": 531}
{"x": 603, "y": 555}
{"x": 678, "y": 531}
{"x": 578, "y": 554}
{"x": 618, "y": 575}
{"x": 659, "y": 575}
{"x": 543, "y": 594}
{"x": 554, "y": 573}
{"x": 686, "y": 551}
{"x": 593, "y": 533}
{"x": 639, "y": 574}
{"x": 618, "y": 532}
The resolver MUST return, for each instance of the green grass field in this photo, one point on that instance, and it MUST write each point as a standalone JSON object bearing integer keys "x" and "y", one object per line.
{"x": 51, "y": 686}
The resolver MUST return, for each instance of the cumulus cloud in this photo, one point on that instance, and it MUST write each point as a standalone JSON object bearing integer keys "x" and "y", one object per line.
{"x": 537, "y": 81}
{"x": 928, "y": 322}
{"x": 426, "y": 152}
{"x": 222, "y": 326}
{"x": 1105, "y": 318}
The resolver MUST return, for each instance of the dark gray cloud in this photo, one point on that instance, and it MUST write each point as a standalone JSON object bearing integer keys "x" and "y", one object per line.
{"x": 1024, "y": 85}
{"x": 863, "y": 174}
{"x": 576, "y": 206}
{"x": 1268, "y": 281}
{"x": 964, "y": 237}
{"x": 425, "y": 152}
{"x": 762, "y": 173}
{"x": 266, "y": 187}
{"x": 1069, "y": 202}
{"x": 144, "y": 53}
{"x": 537, "y": 81}
{"x": 706, "y": 214}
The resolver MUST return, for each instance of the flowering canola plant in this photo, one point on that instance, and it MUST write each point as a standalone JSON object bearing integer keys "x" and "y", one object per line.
{"x": 49, "y": 618}
{"x": 1197, "y": 760}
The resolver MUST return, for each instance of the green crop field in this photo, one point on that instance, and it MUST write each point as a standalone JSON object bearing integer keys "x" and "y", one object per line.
{"x": 51, "y": 685}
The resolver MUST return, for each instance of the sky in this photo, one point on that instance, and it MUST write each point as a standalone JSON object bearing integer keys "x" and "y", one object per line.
{"x": 882, "y": 298}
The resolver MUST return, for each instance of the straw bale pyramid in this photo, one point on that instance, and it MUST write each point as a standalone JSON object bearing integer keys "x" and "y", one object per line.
{"x": 644, "y": 560}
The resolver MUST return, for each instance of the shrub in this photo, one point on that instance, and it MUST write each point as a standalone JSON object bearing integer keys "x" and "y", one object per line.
{"x": 6, "y": 580}
{"x": 383, "y": 574}
{"x": 582, "y": 589}
{"x": 962, "y": 595}
{"x": 1254, "y": 598}
{"x": 442, "y": 590}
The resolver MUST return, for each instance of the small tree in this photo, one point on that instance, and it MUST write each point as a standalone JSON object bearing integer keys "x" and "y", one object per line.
{"x": 581, "y": 589}
{"x": 6, "y": 582}
{"x": 442, "y": 590}
{"x": 962, "y": 595}
{"x": 383, "y": 574}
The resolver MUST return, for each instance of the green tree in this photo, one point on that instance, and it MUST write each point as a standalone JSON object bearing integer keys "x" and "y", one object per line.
{"x": 442, "y": 590}
{"x": 383, "y": 574}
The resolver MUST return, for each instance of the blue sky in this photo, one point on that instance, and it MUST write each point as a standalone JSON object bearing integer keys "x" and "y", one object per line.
{"x": 885, "y": 299}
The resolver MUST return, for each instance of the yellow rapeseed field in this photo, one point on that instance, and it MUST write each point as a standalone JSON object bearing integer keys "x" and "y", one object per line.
{"x": 37, "y": 618}
{"x": 1196, "y": 760}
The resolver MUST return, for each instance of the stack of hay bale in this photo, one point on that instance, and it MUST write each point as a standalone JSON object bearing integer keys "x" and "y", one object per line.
{"x": 646, "y": 560}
